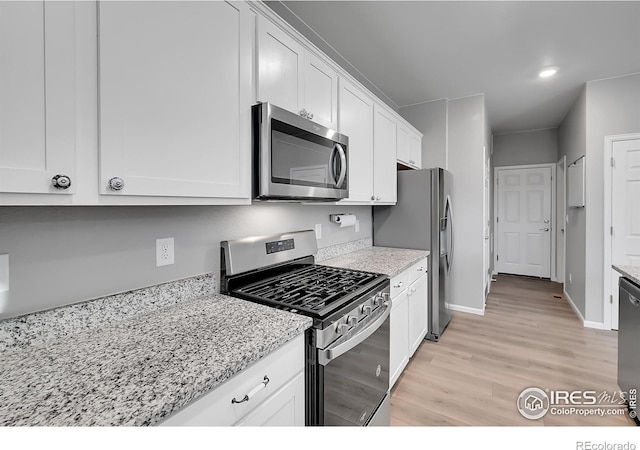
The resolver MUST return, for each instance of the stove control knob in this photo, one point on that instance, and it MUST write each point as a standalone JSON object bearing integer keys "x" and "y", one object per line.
{"x": 352, "y": 321}
{"x": 377, "y": 300}
{"x": 366, "y": 309}
{"x": 342, "y": 329}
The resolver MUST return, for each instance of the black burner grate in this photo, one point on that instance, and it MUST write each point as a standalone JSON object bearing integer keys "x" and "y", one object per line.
{"x": 314, "y": 289}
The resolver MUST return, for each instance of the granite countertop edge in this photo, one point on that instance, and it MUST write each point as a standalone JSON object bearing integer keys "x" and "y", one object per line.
{"x": 630, "y": 272}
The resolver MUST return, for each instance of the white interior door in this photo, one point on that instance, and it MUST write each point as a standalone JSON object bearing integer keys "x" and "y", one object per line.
{"x": 485, "y": 219}
{"x": 524, "y": 221}
{"x": 625, "y": 213}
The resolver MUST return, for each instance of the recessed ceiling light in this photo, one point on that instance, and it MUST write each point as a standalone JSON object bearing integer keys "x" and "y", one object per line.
{"x": 548, "y": 72}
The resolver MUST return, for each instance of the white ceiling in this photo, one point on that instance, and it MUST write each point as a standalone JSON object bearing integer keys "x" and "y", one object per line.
{"x": 416, "y": 51}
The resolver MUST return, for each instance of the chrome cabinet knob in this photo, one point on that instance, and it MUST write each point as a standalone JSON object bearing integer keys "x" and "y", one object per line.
{"x": 373, "y": 197}
{"x": 377, "y": 198}
{"x": 116, "y": 184}
{"x": 61, "y": 182}
{"x": 310, "y": 116}
{"x": 304, "y": 113}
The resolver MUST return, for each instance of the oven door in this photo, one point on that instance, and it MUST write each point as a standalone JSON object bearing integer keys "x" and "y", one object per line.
{"x": 299, "y": 159}
{"x": 356, "y": 376}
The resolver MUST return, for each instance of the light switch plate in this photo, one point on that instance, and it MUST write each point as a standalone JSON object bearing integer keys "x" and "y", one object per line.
{"x": 318, "y": 231}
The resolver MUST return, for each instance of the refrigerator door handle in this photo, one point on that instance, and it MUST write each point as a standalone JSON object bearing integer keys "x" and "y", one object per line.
{"x": 449, "y": 214}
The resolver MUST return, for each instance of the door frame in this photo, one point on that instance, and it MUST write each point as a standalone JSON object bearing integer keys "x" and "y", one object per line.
{"x": 552, "y": 220}
{"x": 608, "y": 155}
{"x": 561, "y": 221}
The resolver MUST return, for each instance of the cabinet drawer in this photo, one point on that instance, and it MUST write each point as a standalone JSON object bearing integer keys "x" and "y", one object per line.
{"x": 417, "y": 270}
{"x": 216, "y": 408}
{"x": 399, "y": 283}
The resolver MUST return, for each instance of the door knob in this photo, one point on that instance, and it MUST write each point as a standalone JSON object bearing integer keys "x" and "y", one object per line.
{"x": 546, "y": 221}
{"x": 543, "y": 229}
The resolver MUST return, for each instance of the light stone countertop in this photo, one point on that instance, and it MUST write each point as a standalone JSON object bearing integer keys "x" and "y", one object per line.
{"x": 385, "y": 260}
{"x": 631, "y": 272}
{"x": 139, "y": 370}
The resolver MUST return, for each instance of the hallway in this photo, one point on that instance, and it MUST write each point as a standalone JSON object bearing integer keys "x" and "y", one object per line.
{"x": 529, "y": 337}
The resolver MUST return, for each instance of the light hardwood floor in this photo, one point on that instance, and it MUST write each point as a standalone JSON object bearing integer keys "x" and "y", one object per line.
{"x": 527, "y": 338}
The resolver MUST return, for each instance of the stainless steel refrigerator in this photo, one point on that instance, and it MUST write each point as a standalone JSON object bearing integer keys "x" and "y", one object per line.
{"x": 422, "y": 219}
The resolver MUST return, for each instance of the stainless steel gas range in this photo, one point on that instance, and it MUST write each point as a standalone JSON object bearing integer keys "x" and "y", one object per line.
{"x": 347, "y": 348}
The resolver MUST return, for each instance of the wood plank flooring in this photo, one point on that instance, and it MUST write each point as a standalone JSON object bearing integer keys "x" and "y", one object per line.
{"x": 527, "y": 338}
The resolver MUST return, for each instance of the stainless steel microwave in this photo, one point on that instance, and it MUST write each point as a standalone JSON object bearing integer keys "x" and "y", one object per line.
{"x": 296, "y": 159}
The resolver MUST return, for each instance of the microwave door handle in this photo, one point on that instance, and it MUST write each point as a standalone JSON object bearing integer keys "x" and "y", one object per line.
{"x": 343, "y": 165}
{"x": 332, "y": 168}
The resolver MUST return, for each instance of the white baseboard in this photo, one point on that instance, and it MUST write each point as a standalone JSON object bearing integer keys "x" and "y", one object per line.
{"x": 585, "y": 323}
{"x": 596, "y": 325}
{"x": 466, "y": 309}
{"x": 573, "y": 305}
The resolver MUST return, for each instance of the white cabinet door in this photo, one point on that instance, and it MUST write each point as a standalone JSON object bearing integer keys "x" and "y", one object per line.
{"x": 37, "y": 96}
{"x": 280, "y": 67}
{"x": 284, "y": 408}
{"x": 415, "y": 150}
{"x": 385, "y": 186}
{"x": 417, "y": 293}
{"x": 175, "y": 97}
{"x": 356, "y": 121}
{"x": 402, "y": 143}
{"x": 320, "y": 92}
{"x": 399, "y": 336}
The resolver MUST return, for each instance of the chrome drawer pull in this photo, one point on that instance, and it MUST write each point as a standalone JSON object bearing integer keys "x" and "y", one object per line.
{"x": 253, "y": 391}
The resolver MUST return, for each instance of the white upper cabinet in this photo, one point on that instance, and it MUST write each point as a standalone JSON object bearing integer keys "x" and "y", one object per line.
{"x": 384, "y": 156}
{"x": 356, "y": 121}
{"x": 409, "y": 145}
{"x": 415, "y": 150}
{"x": 37, "y": 99}
{"x": 175, "y": 99}
{"x": 291, "y": 77}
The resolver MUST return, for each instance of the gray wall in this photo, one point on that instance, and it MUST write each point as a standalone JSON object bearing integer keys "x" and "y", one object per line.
{"x": 431, "y": 119}
{"x": 572, "y": 136}
{"x": 63, "y": 255}
{"x": 529, "y": 147}
{"x": 466, "y": 138}
{"x": 613, "y": 107}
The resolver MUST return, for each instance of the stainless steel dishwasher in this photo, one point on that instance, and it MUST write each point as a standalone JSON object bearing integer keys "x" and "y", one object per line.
{"x": 629, "y": 342}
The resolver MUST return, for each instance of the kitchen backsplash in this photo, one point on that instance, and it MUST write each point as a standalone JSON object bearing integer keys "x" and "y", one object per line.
{"x": 65, "y": 255}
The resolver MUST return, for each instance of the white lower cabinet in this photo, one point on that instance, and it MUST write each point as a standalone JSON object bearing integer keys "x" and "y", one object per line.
{"x": 409, "y": 316}
{"x": 276, "y": 402}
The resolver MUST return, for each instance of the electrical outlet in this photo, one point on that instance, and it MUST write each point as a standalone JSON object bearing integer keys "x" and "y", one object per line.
{"x": 357, "y": 226}
{"x": 318, "y": 231}
{"x": 164, "y": 252}
{"x": 570, "y": 279}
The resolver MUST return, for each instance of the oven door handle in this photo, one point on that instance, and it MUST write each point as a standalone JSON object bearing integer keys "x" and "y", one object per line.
{"x": 333, "y": 352}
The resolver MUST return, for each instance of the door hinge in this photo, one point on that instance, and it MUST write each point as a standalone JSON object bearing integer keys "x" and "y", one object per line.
{"x": 497, "y": 219}
{"x": 497, "y": 257}
{"x": 613, "y": 162}
{"x": 611, "y": 299}
{"x": 611, "y": 231}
